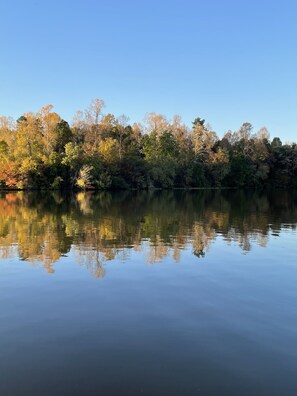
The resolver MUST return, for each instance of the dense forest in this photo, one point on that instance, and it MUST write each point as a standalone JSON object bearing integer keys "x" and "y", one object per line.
{"x": 100, "y": 151}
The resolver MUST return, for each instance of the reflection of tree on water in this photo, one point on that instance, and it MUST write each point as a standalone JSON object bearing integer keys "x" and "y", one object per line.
{"x": 101, "y": 227}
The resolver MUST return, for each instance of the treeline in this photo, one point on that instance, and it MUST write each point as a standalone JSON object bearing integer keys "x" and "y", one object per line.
{"x": 41, "y": 150}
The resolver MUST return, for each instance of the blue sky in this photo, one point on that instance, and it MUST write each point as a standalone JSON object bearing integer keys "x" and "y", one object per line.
{"x": 226, "y": 61}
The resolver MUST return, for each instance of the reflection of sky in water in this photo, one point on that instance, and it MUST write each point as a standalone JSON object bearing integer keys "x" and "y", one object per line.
{"x": 161, "y": 321}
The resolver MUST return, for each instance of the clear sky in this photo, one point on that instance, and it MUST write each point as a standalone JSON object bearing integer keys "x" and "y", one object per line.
{"x": 228, "y": 61}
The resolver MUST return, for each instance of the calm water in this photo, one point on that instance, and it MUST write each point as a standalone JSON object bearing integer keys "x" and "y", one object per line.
{"x": 185, "y": 293}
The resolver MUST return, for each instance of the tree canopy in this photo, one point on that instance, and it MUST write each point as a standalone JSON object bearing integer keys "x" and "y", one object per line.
{"x": 100, "y": 151}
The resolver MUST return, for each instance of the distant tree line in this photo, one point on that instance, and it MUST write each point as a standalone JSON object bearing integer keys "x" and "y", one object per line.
{"x": 41, "y": 150}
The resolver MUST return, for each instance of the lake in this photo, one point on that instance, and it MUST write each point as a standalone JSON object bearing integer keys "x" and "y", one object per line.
{"x": 164, "y": 293}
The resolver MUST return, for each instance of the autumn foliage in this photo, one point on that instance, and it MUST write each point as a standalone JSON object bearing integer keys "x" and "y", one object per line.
{"x": 100, "y": 151}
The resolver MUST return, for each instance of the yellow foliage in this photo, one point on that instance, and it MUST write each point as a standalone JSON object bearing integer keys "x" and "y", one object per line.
{"x": 109, "y": 149}
{"x": 80, "y": 183}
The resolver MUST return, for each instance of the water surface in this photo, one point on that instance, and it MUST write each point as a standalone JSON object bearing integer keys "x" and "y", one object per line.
{"x": 172, "y": 293}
